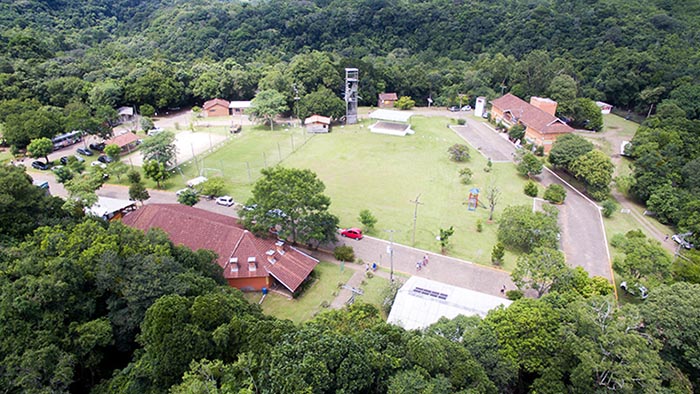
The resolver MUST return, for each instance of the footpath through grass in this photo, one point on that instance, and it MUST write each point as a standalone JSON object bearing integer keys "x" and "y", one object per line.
{"x": 306, "y": 306}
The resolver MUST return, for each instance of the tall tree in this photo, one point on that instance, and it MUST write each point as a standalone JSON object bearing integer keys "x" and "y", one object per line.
{"x": 161, "y": 148}
{"x": 40, "y": 147}
{"x": 156, "y": 171}
{"x": 521, "y": 228}
{"x": 288, "y": 198}
{"x": 539, "y": 270}
{"x": 266, "y": 105}
{"x": 595, "y": 169}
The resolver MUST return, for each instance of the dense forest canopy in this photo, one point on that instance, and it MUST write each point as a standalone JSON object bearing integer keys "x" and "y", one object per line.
{"x": 631, "y": 54}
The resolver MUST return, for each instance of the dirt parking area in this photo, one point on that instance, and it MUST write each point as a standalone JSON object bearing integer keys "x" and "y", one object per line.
{"x": 188, "y": 144}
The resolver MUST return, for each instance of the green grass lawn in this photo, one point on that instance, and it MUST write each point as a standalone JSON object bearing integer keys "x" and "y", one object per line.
{"x": 618, "y": 124}
{"x": 373, "y": 289}
{"x": 380, "y": 173}
{"x": 308, "y": 304}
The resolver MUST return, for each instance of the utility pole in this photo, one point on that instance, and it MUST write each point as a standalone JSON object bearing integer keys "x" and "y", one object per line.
{"x": 390, "y": 250}
{"x": 415, "y": 217}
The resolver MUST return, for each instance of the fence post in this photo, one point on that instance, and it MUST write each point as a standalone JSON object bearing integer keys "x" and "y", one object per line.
{"x": 248, "y": 167}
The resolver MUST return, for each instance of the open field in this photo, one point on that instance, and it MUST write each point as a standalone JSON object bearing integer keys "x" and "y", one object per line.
{"x": 309, "y": 303}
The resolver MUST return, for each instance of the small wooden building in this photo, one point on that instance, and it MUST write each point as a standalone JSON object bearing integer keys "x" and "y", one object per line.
{"x": 128, "y": 142}
{"x": 387, "y": 100}
{"x": 317, "y": 124}
{"x": 215, "y": 107}
{"x": 238, "y": 107}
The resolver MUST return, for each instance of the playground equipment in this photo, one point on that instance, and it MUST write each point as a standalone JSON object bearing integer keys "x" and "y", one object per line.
{"x": 473, "y": 200}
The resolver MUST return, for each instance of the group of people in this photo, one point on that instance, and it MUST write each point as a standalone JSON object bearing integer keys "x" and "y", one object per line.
{"x": 422, "y": 263}
{"x": 374, "y": 267}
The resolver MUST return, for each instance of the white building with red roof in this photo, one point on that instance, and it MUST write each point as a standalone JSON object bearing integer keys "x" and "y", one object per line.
{"x": 249, "y": 263}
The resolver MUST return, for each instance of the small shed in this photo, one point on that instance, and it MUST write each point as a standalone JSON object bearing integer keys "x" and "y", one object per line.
{"x": 127, "y": 141}
{"x": 605, "y": 108}
{"x": 215, "y": 107}
{"x": 421, "y": 302}
{"x": 110, "y": 208}
{"x": 387, "y": 100}
{"x": 125, "y": 114}
{"x": 238, "y": 107}
{"x": 317, "y": 124}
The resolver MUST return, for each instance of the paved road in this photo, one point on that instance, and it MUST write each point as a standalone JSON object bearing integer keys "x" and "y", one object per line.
{"x": 583, "y": 235}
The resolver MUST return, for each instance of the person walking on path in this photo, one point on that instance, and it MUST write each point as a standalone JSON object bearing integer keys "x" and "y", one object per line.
{"x": 425, "y": 260}
{"x": 418, "y": 265}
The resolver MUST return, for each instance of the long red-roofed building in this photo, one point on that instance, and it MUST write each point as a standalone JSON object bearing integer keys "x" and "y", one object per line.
{"x": 542, "y": 127}
{"x": 249, "y": 263}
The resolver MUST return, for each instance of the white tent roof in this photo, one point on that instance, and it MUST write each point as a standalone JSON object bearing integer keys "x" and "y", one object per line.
{"x": 421, "y": 302}
{"x": 393, "y": 116}
{"x": 106, "y": 205}
{"x": 239, "y": 104}
{"x": 196, "y": 181}
{"x": 128, "y": 111}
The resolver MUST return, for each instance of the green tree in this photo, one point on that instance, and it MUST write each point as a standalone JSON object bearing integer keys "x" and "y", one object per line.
{"x": 63, "y": 174}
{"x": 161, "y": 148}
{"x": 667, "y": 203}
{"x": 113, "y": 151}
{"x": 595, "y": 169}
{"x": 291, "y": 199}
{"x": 562, "y": 88}
{"x": 405, "y": 103}
{"x": 155, "y": 171}
{"x": 523, "y": 229}
{"x": 645, "y": 261}
{"x": 539, "y": 270}
{"x": 529, "y": 165}
{"x": 117, "y": 168}
{"x": 137, "y": 191}
{"x": 266, "y": 105}
{"x": 516, "y": 133}
{"x": 81, "y": 190}
{"x": 367, "y": 219}
{"x": 321, "y": 102}
{"x": 567, "y": 148}
{"x": 188, "y": 197}
{"x": 555, "y": 193}
{"x": 530, "y": 189}
{"x": 40, "y": 147}
{"x": 497, "y": 254}
{"x": 584, "y": 113}
{"x": 459, "y": 152}
{"x": 465, "y": 175}
{"x": 444, "y": 238}
{"x": 213, "y": 187}
{"x": 609, "y": 207}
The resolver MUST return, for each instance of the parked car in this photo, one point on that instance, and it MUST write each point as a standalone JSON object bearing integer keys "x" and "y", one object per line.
{"x": 276, "y": 212}
{"x": 84, "y": 152}
{"x": 80, "y": 159}
{"x": 104, "y": 159}
{"x": 641, "y": 290}
{"x": 154, "y": 131}
{"x": 97, "y": 163}
{"x": 177, "y": 193}
{"x": 453, "y": 109}
{"x": 63, "y": 160}
{"x": 225, "y": 200}
{"x": 680, "y": 240}
{"x": 40, "y": 165}
{"x": 467, "y": 108}
{"x": 98, "y": 147}
{"x": 353, "y": 232}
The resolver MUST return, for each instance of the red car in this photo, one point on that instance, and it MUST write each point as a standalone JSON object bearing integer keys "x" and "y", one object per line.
{"x": 354, "y": 233}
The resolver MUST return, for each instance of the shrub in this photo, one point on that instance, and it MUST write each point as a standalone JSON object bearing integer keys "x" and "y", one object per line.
{"x": 489, "y": 166}
{"x": 367, "y": 219}
{"x": 555, "y": 194}
{"x": 465, "y": 175}
{"x": 459, "y": 152}
{"x": 497, "y": 254}
{"x": 325, "y": 304}
{"x": 516, "y": 132}
{"x": 479, "y": 226}
{"x": 404, "y": 103}
{"x": 531, "y": 189}
{"x": 344, "y": 253}
{"x": 609, "y": 207}
{"x": 539, "y": 151}
{"x": 389, "y": 294}
{"x": 461, "y": 122}
{"x": 514, "y": 295}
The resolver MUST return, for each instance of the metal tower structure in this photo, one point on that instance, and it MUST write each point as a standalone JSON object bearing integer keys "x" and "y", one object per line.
{"x": 352, "y": 81}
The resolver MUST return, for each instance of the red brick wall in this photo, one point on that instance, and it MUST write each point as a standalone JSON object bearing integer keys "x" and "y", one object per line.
{"x": 249, "y": 284}
{"x": 216, "y": 110}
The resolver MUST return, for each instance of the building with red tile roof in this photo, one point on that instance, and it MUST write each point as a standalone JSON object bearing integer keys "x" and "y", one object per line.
{"x": 387, "y": 100}
{"x": 216, "y": 107}
{"x": 127, "y": 141}
{"x": 541, "y": 126}
{"x": 249, "y": 263}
